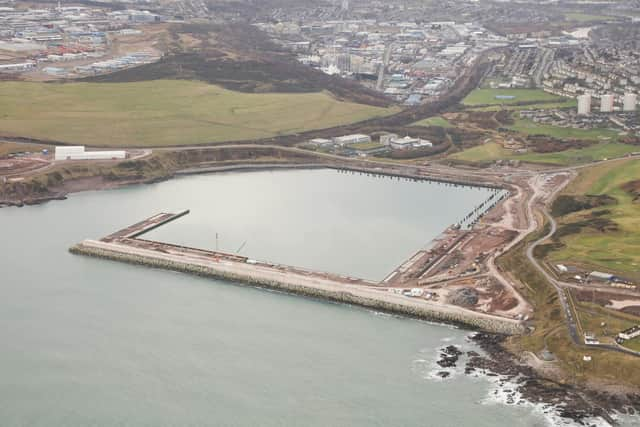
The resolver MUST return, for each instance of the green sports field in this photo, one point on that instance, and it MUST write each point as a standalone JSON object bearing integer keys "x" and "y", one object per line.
{"x": 488, "y": 96}
{"x": 164, "y": 112}
{"x": 567, "y": 103}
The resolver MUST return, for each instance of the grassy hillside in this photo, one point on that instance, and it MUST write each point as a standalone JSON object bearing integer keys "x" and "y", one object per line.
{"x": 605, "y": 237}
{"x": 164, "y": 112}
{"x": 434, "y": 121}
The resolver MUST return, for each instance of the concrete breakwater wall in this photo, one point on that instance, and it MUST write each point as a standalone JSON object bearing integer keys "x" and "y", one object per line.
{"x": 363, "y": 297}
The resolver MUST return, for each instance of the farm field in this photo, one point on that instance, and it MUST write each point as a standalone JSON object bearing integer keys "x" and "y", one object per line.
{"x": 493, "y": 151}
{"x": 488, "y": 96}
{"x": 164, "y": 113}
{"x": 617, "y": 249}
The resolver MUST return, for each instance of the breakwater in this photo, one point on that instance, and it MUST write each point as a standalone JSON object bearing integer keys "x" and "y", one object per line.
{"x": 304, "y": 284}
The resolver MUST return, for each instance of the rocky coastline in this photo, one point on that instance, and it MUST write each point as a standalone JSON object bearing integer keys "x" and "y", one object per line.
{"x": 522, "y": 382}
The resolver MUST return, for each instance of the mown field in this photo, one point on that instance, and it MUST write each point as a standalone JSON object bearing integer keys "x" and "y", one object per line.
{"x": 529, "y": 127}
{"x": 164, "y": 112}
{"x": 615, "y": 247}
{"x": 488, "y": 96}
{"x": 492, "y": 151}
{"x": 585, "y": 17}
{"x": 567, "y": 103}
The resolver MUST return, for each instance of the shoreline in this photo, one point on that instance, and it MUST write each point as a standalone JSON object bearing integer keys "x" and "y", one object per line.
{"x": 98, "y": 182}
{"x": 63, "y": 178}
{"x": 578, "y": 403}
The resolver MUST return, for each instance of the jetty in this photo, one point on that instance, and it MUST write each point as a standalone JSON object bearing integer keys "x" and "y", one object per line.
{"x": 127, "y": 245}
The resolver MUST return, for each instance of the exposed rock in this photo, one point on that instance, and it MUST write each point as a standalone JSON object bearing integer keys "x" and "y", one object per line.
{"x": 571, "y": 402}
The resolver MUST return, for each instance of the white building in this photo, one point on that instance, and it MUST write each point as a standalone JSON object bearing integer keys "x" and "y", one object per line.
{"x": 407, "y": 143}
{"x": 352, "y": 139}
{"x": 78, "y": 153}
{"x": 321, "y": 142}
{"x": 23, "y": 66}
{"x": 584, "y": 104}
{"x": 629, "y": 102}
{"x": 387, "y": 138}
{"x": 600, "y": 276}
{"x": 630, "y": 333}
{"x": 606, "y": 103}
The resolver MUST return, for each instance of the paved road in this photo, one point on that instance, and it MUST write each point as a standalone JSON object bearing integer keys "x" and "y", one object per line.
{"x": 571, "y": 323}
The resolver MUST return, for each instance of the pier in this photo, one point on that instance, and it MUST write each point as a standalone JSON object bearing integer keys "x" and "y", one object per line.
{"x": 126, "y": 246}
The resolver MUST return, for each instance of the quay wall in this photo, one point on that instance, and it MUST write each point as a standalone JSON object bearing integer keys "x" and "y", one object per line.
{"x": 380, "y": 170}
{"x": 461, "y": 180}
{"x": 464, "y": 318}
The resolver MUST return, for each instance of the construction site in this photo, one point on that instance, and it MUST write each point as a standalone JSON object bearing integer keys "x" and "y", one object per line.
{"x": 453, "y": 278}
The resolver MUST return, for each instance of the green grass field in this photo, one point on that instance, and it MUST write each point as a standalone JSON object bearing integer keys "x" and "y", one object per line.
{"x": 577, "y": 156}
{"x": 488, "y": 96}
{"x": 568, "y": 103}
{"x": 528, "y": 127}
{"x": 164, "y": 112}
{"x": 488, "y": 152}
{"x": 611, "y": 251}
{"x": 434, "y": 121}
{"x": 633, "y": 344}
{"x": 493, "y": 151}
{"x": 593, "y": 315}
{"x": 584, "y": 17}
{"x": 365, "y": 145}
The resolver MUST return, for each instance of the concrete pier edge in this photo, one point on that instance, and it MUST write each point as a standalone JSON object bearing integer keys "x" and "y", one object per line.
{"x": 464, "y": 320}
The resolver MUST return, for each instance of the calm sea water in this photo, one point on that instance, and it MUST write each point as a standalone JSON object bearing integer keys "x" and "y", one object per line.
{"x": 91, "y": 342}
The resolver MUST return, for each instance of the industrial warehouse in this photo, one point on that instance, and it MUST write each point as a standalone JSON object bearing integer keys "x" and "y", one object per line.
{"x": 79, "y": 153}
